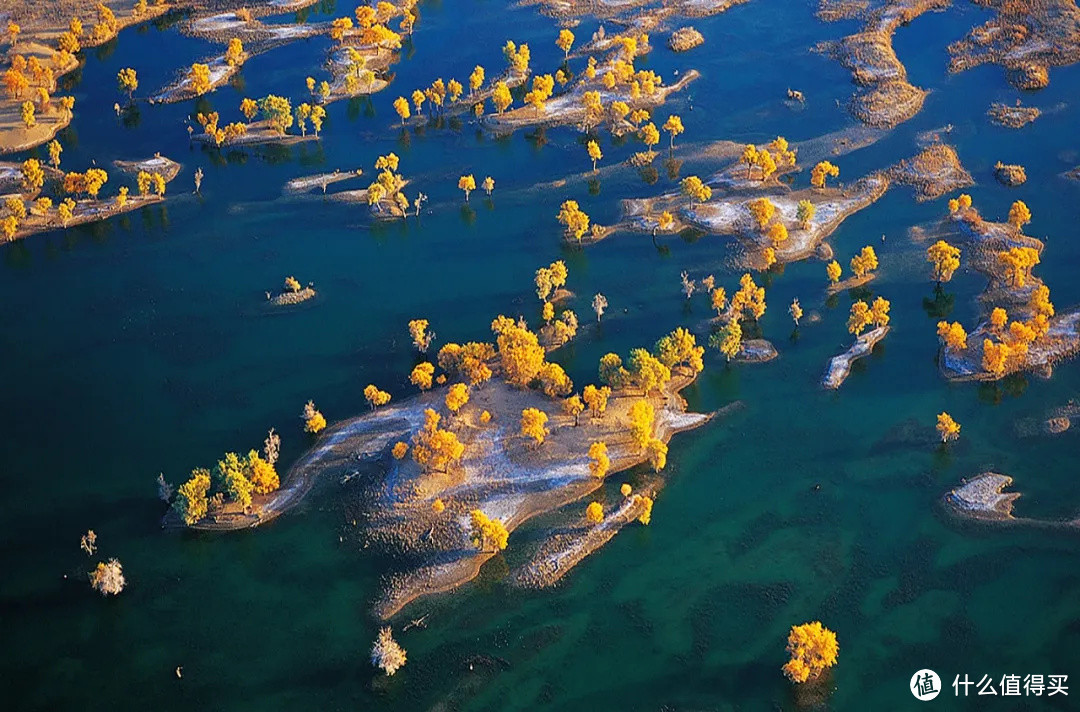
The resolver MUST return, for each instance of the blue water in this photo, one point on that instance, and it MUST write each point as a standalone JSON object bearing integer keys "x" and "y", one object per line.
{"x": 141, "y": 345}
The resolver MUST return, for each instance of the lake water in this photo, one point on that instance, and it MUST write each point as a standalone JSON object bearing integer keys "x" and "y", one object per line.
{"x": 142, "y": 345}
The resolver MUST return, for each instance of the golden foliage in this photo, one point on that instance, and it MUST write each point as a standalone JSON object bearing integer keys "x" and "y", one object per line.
{"x": 821, "y": 171}
{"x": 625, "y": 490}
{"x": 674, "y": 127}
{"x": 375, "y": 397}
{"x": 679, "y": 348}
{"x": 947, "y": 428}
{"x": 1040, "y": 301}
{"x": 313, "y": 419}
{"x": 693, "y": 188}
{"x": 833, "y": 271}
{"x": 467, "y": 184}
{"x": 646, "y": 514}
{"x": 199, "y": 76}
{"x": 595, "y": 154}
{"x": 438, "y": 506}
{"x": 234, "y": 53}
{"x": 657, "y": 452}
{"x": 400, "y": 449}
{"x": 813, "y": 648}
{"x": 488, "y": 532}
{"x": 418, "y": 329}
{"x": 127, "y": 80}
{"x": 27, "y": 114}
{"x": 860, "y": 318}
{"x": 596, "y": 399}
{"x": 401, "y": 106}
{"x": 573, "y": 218}
{"x": 649, "y": 373}
{"x": 594, "y": 513}
{"x": 952, "y": 335}
{"x": 865, "y": 262}
{"x": 191, "y": 502}
{"x": 804, "y": 213}
{"x": 762, "y": 211}
{"x": 434, "y": 448}
{"x": 995, "y": 356}
{"x": 501, "y": 98}
{"x": 1018, "y": 263}
{"x": 777, "y": 234}
{"x": 728, "y": 340}
{"x": 1019, "y": 214}
{"x": 945, "y": 258}
{"x": 749, "y": 298}
{"x": 650, "y": 136}
{"x": 599, "y": 462}
{"x": 456, "y": 397}
{"x": 533, "y": 422}
{"x": 520, "y": 355}
{"x": 879, "y": 312}
{"x": 641, "y": 423}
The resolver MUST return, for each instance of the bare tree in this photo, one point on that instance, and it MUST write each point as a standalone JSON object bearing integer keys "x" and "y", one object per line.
{"x": 88, "y": 543}
{"x": 599, "y": 304}
{"x": 198, "y": 179}
{"x": 272, "y": 446}
{"x": 164, "y": 489}
{"x": 688, "y": 285}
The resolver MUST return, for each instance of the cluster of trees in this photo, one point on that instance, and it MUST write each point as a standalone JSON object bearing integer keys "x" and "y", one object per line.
{"x": 694, "y": 189}
{"x": 960, "y": 208}
{"x": 574, "y": 219}
{"x": 236, "y": 477}
{"x": 467, "y": 361}
{"x": 24, "y": 75}
{"x": 863, "y": 315}
{"x": 747, "y": 302}
{"x": 386, "y": 191}
{"x": 371, "y": 22}
{"x": 767, "y": 159}
{"x": 1008, "y": 340}
{"x": 488, "y": 535}
{"x": 375, "y": 397}
{"x": 89, "y": 183}
{"x": 435, "y": 448}
{"x": 813, "y": 649}
{"x": 861, "y": 265}
{"x": 220, "y": 135}
{"x": 1012, "y": 339}
{"x": 821, "y": 171}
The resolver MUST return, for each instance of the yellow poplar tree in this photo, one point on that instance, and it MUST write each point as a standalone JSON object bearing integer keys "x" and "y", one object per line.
{"x": 945, "y": 258}
{"x": 947, "y": 428}
{"x": 813, "y": 648}
{"x": 533, "y": 422}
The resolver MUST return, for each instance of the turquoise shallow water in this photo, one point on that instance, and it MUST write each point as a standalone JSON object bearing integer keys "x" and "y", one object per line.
{"x": 139, "y": 346}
